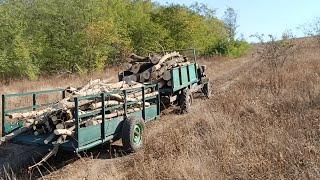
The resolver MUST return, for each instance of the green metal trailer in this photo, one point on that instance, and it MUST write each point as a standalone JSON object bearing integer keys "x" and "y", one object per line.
{"x": 185, "y": 81}
{"x": 129, "y": 127}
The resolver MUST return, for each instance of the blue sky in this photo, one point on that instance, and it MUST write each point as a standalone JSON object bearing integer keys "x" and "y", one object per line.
{"x": 264, "y": 16}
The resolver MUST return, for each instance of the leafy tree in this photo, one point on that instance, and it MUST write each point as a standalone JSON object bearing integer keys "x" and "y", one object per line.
{"x": 56, "y": 36}
{"x": 312, "y": 29}
{"x": 230, "y": 19}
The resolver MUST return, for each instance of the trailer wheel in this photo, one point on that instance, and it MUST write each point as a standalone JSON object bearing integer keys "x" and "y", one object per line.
{"x": 206, "y": 90}
{"x": 185, "y": 100}
{"x": 132, "y": 134}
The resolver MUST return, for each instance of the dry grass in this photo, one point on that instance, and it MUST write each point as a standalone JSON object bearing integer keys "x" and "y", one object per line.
{"x": 248, "y": 132}
{"x": 250, "y": 129}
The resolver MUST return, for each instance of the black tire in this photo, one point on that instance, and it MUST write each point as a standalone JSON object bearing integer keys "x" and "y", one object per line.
{"x": 206, "y": 90}
{"x": 185, "y": 100}
{"x": 132, "y": 138}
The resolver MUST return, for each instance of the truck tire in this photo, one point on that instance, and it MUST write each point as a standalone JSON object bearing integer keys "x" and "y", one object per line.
{"x": 206, "y": 90}
{"x": 185, "y": 100}
{"x": 132, "y": 134}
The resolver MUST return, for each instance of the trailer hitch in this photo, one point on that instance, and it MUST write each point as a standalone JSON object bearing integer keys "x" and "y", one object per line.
{"x": 51, "y": 153}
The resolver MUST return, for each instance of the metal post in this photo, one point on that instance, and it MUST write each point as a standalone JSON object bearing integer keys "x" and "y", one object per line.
{"x": 103, "y": 113}
{"x": 158, "y": 100}
{"x": 76, "y": 119}
{"x": 180, "y": 76}
{"x": 34, "y": 101}
{"x": 63, "y": 94}
{"x": 143, "y": 104}
{"x": 3, "y": 115}
{"x": 125, "y": 103}
{"x": 172, "y": 81}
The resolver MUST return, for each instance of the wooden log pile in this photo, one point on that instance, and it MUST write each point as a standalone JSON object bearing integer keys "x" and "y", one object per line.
{"x": 153, "y": 69}
{"x": 57, "y": 123}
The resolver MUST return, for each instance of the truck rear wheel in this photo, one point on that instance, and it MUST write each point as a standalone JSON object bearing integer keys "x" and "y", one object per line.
{"x": 185, "y": 100}
{"x": 132, "y": 134}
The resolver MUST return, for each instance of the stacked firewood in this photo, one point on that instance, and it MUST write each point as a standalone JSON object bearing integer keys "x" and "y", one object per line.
{"x": 153, "y": 69}
{"x": 57, "y": 122}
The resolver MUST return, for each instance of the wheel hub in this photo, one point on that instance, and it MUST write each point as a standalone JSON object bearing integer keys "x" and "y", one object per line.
{"x": 137, "y": 133}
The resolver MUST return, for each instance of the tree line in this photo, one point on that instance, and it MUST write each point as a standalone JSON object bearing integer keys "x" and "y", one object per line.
{"x": 40, "y": 37}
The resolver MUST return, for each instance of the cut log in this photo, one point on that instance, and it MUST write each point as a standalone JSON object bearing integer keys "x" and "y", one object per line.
{"x": 181, "y": 64}
{"x": 15, "y": 115}
{"x": 69, "y": 114}
{"x": 169, "y": 83}
{"x": 133, "y": 77}
{"x": 108, "y": 103}
{"x": 127, "y": 66}
{"x": 49, "y": 138}
{"x": 155, "y": 58}
{"x": 170, "y": 63}
{"x": 135, "y": 68}
{"x": 146, "y": 75}
{"x": 160, "y": 82}
{"x": 71, "y": 89}
{"x": 141, "y": 78}
{"x": 27, "y": 115}
{"x": 62, "y": 138}
{"x": 54, "y": 118}
{"x": 66, "y": 104}
{"x": 131, "y": 97}
{"x": 147, "y": 104}
{"x": 136, "y": 58}
{"x": 154, "y": 75}
{"x": 62, "y": 132}
{"x": 116, "y": 113}
{"x": 136, "y": 98}
{"x": 60, "y": 126}
{"x": 167, "y": 75}
{"x": 30, "y": 121}
{"x": 108, "y": 87}
{"x": 39, "y": 131}
{"x": 163, "y": 59}
{"x": 158, "y": 73}
{"x": 65, "y": 124}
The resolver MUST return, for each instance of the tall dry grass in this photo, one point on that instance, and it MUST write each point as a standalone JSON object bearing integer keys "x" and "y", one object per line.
{"x": 265, "y": 126}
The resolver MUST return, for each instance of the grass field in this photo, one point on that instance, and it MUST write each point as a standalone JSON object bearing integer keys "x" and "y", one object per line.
{"x": 262, "y": 122}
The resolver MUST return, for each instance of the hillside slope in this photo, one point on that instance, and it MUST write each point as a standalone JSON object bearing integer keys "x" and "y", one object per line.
{"x": 260, "y": 124}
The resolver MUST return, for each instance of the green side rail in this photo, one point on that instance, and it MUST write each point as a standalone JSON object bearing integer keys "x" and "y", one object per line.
{"x": 102, "y": 138}
{"x": 9, "y": 127}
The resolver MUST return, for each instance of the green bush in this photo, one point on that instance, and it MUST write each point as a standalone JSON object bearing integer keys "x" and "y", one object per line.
{"x": 237, "y": 48}
{"x": 232, "y": 49}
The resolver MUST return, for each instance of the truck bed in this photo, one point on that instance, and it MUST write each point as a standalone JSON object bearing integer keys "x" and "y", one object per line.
{"x": 88, "y": 136}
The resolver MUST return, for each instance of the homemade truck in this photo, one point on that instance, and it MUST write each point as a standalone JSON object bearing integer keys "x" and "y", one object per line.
{"x": 129, "y": 126}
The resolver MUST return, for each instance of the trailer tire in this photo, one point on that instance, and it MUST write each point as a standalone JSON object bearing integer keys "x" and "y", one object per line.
{"x": 132, "y": 134}
{"x": 185, "y": 100}
{"x": 206, "y": 90}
